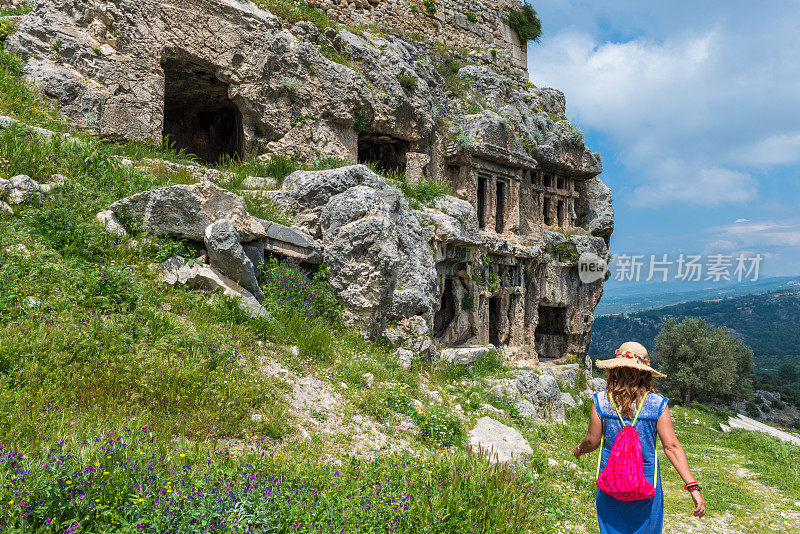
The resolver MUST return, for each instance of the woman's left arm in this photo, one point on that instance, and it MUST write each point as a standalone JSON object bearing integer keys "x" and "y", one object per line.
{"x": 593, "y": 434}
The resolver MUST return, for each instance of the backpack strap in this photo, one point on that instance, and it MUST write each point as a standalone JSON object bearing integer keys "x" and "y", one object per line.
{"x": 602, "y": 436}
{"x": 638, "y": 411}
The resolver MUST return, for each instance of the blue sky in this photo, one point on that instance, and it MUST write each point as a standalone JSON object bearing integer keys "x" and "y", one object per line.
{"x": 695, "y": 107}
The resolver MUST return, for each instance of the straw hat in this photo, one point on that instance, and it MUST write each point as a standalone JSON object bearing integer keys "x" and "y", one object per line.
{"x": 630, "y": 354}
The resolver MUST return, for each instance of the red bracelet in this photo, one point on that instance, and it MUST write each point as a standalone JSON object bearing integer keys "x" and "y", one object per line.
{"x": 692, "y": 486}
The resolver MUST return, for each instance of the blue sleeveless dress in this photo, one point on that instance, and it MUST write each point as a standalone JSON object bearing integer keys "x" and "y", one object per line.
{"x": 631, "y": 517}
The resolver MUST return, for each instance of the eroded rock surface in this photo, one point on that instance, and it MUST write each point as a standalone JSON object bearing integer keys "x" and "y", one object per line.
{"x": 185, "y": 211}
{"x": 500, "y": 443}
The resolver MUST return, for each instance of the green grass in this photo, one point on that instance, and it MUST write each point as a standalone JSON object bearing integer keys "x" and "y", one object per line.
{"x": 297, "y": 10}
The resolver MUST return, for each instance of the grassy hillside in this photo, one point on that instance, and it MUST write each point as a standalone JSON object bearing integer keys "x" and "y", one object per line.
{"x": 130, "y": 406}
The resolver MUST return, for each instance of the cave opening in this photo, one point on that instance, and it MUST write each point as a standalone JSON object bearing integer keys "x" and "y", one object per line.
{"x": 494, "y": 321}
{"x": 548, "y": 220}
{"x": 481, "y": 208}
{"x": 447, "y": 309}
{"x": 386, "y": 152}
{"x": 199, "y": 116}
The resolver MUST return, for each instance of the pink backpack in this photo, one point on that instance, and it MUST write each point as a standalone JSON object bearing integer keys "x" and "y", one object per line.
{"x": 623, "y": 477}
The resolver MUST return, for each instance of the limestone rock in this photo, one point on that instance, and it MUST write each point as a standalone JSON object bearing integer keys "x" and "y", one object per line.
{"x": 596, "y": 206}
{"x": 405, "y": 358}
{"x": 111, "y": 224}
{"x": 541, "y": 391}
{"x": 290, "y": 242}
{"x": 23, "y": 189}
{"x": 375, "y": 250}
{"x": 568, "y": 401}
{"x": 596, "y": 384}
{"x": 466, "y": 355}
{"x": 185, "y": 211}
{"x": 5, "y": 188}
{"x": 176, "y": 271}
{"x": 566, "y": 374}
{"x": 254, "y": 250}
{"x": 369, "y": 379}
{"x": 501, "y": 443}
{"x": 225, "y": 252}
{"x": 5, "y": 208}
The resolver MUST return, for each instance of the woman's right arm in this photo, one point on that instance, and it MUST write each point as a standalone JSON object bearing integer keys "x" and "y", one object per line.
{"x": 677, "y": 456}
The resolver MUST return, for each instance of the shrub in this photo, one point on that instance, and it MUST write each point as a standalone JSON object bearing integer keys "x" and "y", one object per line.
{"x": 423, "y": 191}
{"x": 362, "y": 121}
{"x": 472, "y": 17}
{"x": 526, "y": 23}
{"x": 575, "y": 135}
{"x": 467, "y": 302}
{"x": 7, "y": 27}
{"x": 566, "y": 252}
{"x": 292, "y": 84}
{"x": 297, "y": 10}
{"x": 22, "y": 9}
{"x": 441, "y": 428}
{"x": 111, "y": 289}
{"x": 430, "y": 6}
{"x": 288, "y": 286}
{"x": 408, "y": 81}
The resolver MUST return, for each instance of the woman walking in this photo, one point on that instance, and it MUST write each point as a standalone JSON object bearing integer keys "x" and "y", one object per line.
{"x": 629, "y": 495}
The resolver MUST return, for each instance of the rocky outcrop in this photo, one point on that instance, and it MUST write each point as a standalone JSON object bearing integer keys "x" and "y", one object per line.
{"x": 375, "y": 250}
{"x": 535, "y": 396}
{"x": 287, "y": 241}
{"x": 177, "y": 271}
{"x": 466, "y": 355}
{"x": 185, "y": 211}
{"x": 499, "y": 442}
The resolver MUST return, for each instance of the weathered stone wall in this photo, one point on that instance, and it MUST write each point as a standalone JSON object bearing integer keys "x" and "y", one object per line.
{"x": 449, "y": 24}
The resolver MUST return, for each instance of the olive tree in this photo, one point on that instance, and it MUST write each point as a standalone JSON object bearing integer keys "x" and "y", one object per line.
{"x": 703, "y": 361}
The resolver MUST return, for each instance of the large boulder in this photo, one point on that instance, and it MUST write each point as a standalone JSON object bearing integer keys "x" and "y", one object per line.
{"x": 225, "y": 252}
{"x": 466, "y": 355}
{"x": 566, "y": 374}
{"x": 501, "y": 443}
{"x": 375, "y": 250}
{"x": 542, "y": 391}
{"x": 185, "y": 211}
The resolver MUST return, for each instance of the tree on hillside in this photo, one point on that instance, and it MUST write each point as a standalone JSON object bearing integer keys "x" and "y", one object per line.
{"x": 703, "y": 361}
{"x": 788, "y": 372}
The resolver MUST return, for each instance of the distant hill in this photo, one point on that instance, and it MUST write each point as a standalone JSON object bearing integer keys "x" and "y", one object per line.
{"x": 768, "y": 322}
{"x": 622, "y": 297}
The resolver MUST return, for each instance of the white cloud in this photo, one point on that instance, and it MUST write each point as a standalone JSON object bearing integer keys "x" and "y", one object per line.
{"x": 710, "y": 187}
{"x": 741, "y": 221}
{"x": 762, "y": 233}
{"x": 774, "y": 150}
{"x": 696, "y": 114}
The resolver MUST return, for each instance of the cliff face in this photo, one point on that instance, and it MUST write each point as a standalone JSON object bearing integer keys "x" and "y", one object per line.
{"x": 225, "y": 77}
